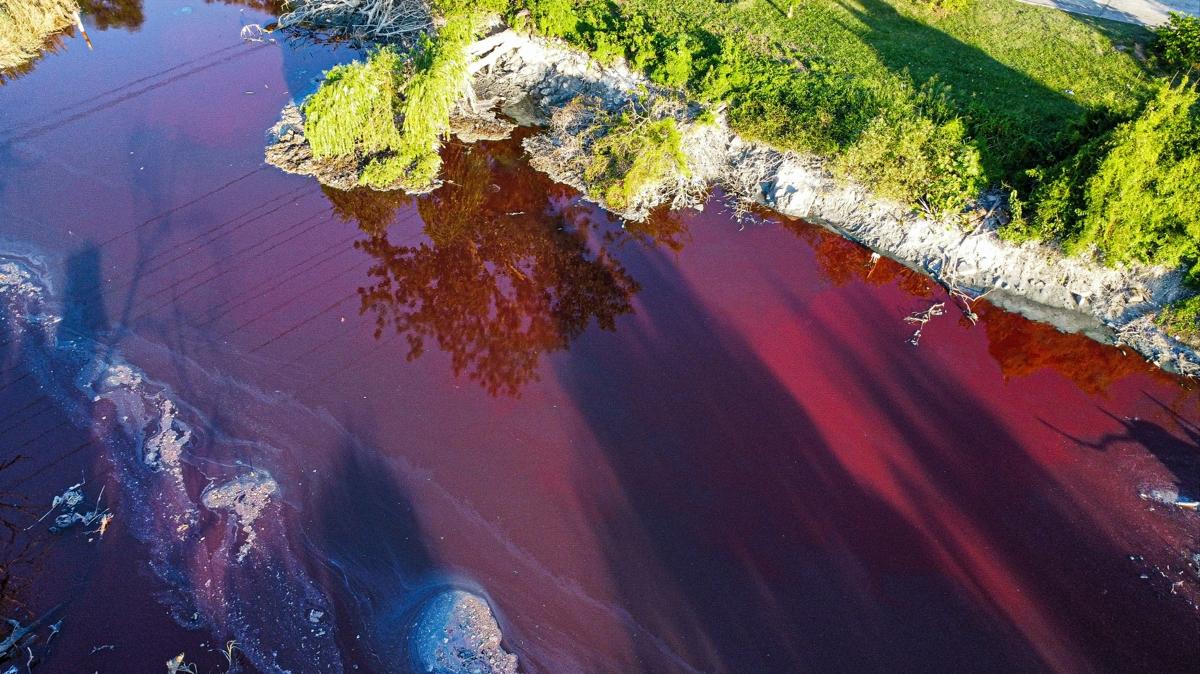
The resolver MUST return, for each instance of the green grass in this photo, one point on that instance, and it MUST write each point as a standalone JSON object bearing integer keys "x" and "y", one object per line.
{"x": 1182, "y": 319}
{"x": 27, "y": 25}
{"x": 1016, "y": 86}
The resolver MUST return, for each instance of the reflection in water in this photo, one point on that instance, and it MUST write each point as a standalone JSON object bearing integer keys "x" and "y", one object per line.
{"x": 373, "y": 211}
{"x": 842, "y": 260}
{"x": 19, "y": 557}
{"x": 507, "y": 273}
{"x": 105, "y": 14}
{"x": 1020, "y": 346}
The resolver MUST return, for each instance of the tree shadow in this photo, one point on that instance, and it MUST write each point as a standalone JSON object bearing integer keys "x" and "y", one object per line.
{"x": 1006, "y": 109}
{"x": 368, "y": 532}
{"x": 41, "y": 443}
{"x": 1179, "y": 455}
{"x": 772, "y": 548}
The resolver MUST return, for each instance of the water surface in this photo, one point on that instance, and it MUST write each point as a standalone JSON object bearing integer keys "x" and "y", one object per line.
{"x": 693, "y": 444}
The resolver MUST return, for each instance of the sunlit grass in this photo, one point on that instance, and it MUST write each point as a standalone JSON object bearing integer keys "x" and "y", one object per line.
{"x": 26, "y": 25}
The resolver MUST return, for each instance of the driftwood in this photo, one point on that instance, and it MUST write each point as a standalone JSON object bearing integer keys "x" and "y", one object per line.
{"x": 377, "y": 20}
{"x": 13, "y": 641}
{"x": 920, "y": 318}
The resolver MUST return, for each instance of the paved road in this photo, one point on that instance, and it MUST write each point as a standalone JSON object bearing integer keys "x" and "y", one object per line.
{"x": 1145, "y": 12}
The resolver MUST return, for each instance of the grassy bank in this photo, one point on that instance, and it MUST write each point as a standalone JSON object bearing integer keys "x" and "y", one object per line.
{"x": 27, "y": 25}
{"x": 927, "y": 105}
{"x": 927, "y": 102}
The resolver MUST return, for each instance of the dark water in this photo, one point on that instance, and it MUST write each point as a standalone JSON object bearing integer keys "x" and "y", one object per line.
{"x": 687, "y": 445}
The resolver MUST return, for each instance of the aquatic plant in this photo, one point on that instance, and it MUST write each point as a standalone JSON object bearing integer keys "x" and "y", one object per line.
{"x": 26, "y": 25}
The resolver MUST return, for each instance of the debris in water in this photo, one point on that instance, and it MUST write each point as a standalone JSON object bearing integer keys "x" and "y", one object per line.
{"x": 252, "y": 33}
{"x": 920, "y": 318}
{"x": 176, "y": 665}
{"x": 68, "y": 503}
{"x": 246, "y": 496}
{"x": 1168, "y": 496}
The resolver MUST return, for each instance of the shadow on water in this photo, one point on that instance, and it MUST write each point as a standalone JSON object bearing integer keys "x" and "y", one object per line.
{"x": 43, "y": 451}
{"x": 1179, "y": 454}
{"x": 368, "y": 532}
{"x": 773, "y": 548}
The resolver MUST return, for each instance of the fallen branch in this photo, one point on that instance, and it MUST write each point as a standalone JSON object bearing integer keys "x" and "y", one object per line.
{"x": 920, "y": 318}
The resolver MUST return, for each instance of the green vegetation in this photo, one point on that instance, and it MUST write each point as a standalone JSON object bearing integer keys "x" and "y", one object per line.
{"x": 1130, "y": 193}
{"x": 1182, "y": 319}
{"x": 925, "y": 101}
{"x": 635, "y": 154}
{"x": 392, "y": 110}
{"x": 438, "y": 81}
{"x": 947, "y": 5}
{"x": 1178, "y": 43}
{"x": 354, "y": 111}
{"x": 27, "y": 25}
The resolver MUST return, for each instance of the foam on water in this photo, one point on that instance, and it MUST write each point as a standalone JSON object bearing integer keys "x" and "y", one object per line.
{"x": 237, "y": 577}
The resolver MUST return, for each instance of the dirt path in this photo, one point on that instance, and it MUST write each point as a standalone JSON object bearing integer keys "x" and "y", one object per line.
{"x": 1144, "y": 12}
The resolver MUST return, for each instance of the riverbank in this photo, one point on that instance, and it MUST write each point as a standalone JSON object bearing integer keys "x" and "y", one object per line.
{"x": 529, "y": 78}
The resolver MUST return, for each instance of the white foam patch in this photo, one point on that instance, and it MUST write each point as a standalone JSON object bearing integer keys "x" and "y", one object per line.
{"x": 249, "y": 585}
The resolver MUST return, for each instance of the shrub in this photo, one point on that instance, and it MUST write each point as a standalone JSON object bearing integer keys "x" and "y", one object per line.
{"x": 555, "y": 18}
{"x": 635, "y": 154}
{"x": 676, "y": 67}
{"x": 354, "y": 110}
{"x": 1182, "y": 318}
{"x": 439, "y": 80}
{"x": 1178, "y": 42}
{"x": 1132, "y": 193}
{"x": 919, "y": 152}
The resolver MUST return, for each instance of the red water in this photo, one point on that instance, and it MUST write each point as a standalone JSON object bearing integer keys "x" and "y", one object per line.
{"x": 690, "y": 445}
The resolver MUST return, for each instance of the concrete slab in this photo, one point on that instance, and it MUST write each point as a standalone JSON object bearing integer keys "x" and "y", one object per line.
{"x": 1144, "y": 12}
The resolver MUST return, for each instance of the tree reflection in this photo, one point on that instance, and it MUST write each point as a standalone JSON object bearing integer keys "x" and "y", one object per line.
{"x": 506, "y": 275}
{"x": 105, "y": 14}
{"x": 1020, "y": 346}
{"x": 842, "y": 260}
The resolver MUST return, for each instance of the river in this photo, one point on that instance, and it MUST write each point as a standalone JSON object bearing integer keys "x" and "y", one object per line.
{"x": 693, "y": 444}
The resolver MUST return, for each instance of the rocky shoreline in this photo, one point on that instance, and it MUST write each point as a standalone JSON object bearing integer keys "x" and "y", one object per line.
{"x": 527, "y": 79}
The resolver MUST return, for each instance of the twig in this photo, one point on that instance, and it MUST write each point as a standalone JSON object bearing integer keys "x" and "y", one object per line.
{"x": 920, "y": 318}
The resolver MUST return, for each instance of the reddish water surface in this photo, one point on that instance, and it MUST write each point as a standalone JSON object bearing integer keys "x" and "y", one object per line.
{"x": 686, "y": 445}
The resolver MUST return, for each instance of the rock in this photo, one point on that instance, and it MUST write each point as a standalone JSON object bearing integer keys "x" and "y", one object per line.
{"x": 287, "y": 149}
{"x": 456, "y": 633}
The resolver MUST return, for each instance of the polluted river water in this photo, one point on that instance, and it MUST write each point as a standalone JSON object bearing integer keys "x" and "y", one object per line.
{"x": 694, "y": 444}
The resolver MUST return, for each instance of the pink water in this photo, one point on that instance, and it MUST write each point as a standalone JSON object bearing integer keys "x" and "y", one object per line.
{"x": 692, "y": 445}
